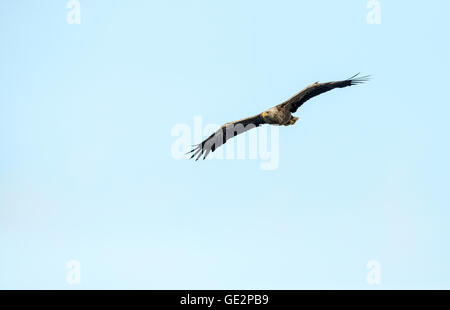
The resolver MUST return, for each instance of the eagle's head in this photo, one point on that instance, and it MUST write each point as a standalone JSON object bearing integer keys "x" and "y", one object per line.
{"x": 269, "y": 116}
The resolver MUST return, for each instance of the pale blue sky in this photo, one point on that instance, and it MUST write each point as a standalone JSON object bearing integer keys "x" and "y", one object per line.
{"x": 86, "y": 171}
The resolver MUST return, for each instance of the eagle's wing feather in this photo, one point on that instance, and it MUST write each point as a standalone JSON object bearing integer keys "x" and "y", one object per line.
{"x": 224, "y": 133}
{"x": 293, "y": 103}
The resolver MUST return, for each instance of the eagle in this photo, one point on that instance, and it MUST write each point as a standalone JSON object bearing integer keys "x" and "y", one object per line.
{"x": 279, "y": 115}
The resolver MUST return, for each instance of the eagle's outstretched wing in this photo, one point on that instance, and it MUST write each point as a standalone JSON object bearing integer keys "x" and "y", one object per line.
{"x": 316, "y": 89}
{"x": 224, "y": 133}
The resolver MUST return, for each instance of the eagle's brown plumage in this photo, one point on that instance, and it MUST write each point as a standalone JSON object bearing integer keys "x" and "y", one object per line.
{"x": 278, "y": 115}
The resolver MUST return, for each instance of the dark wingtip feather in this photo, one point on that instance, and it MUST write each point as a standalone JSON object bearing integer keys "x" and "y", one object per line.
{"x": 194, "y": 147}
{"x": 359, "y": 80}
{"x": 195, "y": 151}
{"x": 351, "y": 78}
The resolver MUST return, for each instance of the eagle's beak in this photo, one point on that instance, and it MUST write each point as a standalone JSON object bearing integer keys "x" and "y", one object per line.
{"x": 264, "y": 114}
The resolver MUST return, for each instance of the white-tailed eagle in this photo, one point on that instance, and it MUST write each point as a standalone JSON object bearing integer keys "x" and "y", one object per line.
{"x": 278, "y": 115}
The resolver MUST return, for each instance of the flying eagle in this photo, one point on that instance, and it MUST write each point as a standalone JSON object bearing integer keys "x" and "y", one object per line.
{"x": 278, "y": 115}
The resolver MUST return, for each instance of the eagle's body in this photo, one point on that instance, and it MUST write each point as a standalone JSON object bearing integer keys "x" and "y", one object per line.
{"x": 278, "y": 115}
